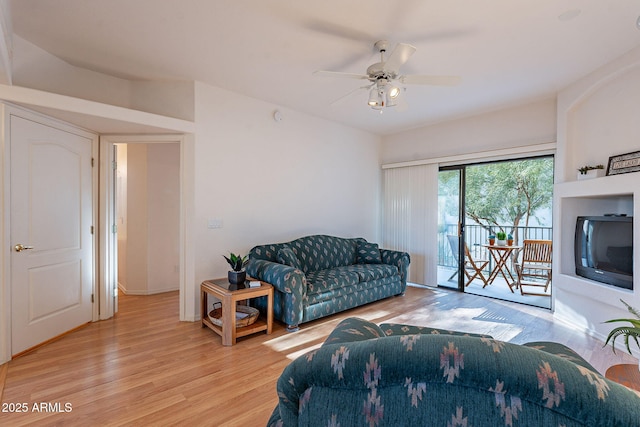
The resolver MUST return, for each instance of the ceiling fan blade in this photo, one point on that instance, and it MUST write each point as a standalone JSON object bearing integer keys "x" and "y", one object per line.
{"x": 337, "y": 30}
{"x": 398, "y": 57}
{"x": 417, "y": 79}
{"x": 343, "y": 97}
{"x": 340, "y": 74}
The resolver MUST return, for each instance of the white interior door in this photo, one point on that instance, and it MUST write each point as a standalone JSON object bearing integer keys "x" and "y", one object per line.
{"x": 52, "y": 271}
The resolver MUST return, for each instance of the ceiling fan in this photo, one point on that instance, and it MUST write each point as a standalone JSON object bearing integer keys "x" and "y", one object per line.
{"x": 385, "y": 76}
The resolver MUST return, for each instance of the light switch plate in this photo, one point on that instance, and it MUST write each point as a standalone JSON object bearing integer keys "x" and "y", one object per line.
{"x": 214, "y": 223}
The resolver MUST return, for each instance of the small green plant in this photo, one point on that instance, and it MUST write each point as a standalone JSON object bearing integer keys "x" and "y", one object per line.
{"x": 237, "y": 262}
{"x": 492, "y": 236}
{"x": 501, "y": 235}
{"x": 583, "y": 170}
{"x": 628, "y": 331}
{"x": 509, "y": 237}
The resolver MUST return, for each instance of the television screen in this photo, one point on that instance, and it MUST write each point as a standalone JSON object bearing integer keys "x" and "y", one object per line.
{"x": 604, "y": 249}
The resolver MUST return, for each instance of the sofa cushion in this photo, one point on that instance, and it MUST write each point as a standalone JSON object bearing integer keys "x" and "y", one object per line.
{"x": 326, "y": 280}
{"x": 368, "y": 253}
{"x": 320, "y": 252}
{"x": 368, "y": 272}
{"x": 400, "y": 329}
{"x": 288, "y": 257}
{"x": 357, "y": 293}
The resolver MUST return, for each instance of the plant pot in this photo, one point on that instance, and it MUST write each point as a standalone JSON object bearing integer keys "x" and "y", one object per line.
{"x": 509, "y": 242}
{"x": 236, "y": 277}
{"x": 492, "y": 242}
{"x": 502, "y": 243}
{"x": 593, "y": 173}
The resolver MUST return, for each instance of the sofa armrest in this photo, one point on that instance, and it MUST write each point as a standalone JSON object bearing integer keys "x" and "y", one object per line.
{"x": 284, "y": 278}
{"x": 399, "y": 259}
{"x": 354, "y": 329}
{"x": 291, "y": 289}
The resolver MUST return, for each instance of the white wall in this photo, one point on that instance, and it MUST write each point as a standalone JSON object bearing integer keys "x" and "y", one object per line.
{"x": 35, "y": 68}
{"x": 597, "y": 118}
{"x": 6, "y": 43}
{"x": 271, "y": 181}
{"x": 149, "y": 217}
{"x": 519, "y": 126}
{"x": 135, "y": 281}
{"x": 163, "y": 203}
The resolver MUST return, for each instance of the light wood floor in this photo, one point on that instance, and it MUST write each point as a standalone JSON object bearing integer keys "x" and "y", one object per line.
{"x": 147, "y": 368}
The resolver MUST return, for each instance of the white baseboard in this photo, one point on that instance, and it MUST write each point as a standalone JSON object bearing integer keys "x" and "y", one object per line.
{"x": 145, "y": 291}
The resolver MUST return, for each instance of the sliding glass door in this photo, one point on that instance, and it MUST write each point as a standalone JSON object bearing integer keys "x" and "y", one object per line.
{"x": 478, "y": 201}
{"x": 450, "y": 224}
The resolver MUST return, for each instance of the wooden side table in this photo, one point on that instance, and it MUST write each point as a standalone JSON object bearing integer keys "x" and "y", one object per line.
{"x": 229, "y": 295}
{"x": 626, "y": 374}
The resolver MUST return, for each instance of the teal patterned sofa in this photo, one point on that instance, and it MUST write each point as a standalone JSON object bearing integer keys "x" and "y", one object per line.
{"x": 315, "y": 276}
{"x": 399, "y": 375}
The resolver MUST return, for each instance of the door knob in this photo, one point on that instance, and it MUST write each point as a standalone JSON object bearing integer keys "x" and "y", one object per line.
{"x": 20, "y": 247}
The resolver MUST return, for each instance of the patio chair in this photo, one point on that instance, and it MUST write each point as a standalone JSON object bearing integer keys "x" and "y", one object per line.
{"x": 472, "y": 267}
{"x": 535, "y": 268}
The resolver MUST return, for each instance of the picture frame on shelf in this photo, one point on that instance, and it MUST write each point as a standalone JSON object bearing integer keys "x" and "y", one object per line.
{"x": 624, "y": 163}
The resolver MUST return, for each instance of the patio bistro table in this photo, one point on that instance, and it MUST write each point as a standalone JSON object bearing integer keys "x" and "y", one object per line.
{"x": 500, "y": 255}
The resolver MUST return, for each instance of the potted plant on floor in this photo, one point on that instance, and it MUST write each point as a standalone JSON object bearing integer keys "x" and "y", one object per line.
{"x": 237, "y": 274}
{"x": 631, "y": 331}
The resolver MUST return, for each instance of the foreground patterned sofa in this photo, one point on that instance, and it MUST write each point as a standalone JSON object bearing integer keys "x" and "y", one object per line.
{"x": 315, "y": 276}
{"x": 398, "y": 375}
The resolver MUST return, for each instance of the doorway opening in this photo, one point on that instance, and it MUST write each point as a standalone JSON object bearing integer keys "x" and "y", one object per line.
{"x": 142, "y": 221}
{"x": 148, "y": 217}
{"x": 483, "y": 200}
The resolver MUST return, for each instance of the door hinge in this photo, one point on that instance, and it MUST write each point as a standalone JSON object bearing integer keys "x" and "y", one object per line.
{"x": 92, "y": 229}
{"x": 93, "y": 161}
{"x": 114, "y": 229}
{"x": 91, "y": 298}
{"x": 114, "y": 165}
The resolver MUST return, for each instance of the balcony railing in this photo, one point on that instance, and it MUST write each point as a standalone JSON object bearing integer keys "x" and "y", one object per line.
{"x": 477, "y": 235}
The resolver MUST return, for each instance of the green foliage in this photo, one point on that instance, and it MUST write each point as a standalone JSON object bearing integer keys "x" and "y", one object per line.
{"x": 501, "y": 235}
{"x": 508, "y": 192}
{"x": 631, "y": 331}
{"x": 237, "y": 262}
{"x": 583, "y": 170}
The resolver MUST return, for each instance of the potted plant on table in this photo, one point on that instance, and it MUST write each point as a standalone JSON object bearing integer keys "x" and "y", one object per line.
{"x": 237, "y": 274}
{"x": 502, "y": 238}
{"x": 509, "y": 240}
{"x": 492, "y": 239}
{"x": 631, "y": 331}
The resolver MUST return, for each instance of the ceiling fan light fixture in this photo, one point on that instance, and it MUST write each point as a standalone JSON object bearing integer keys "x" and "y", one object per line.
{"x": 393, "y": 91}
{"x": 391, "y": 95}
{"x": 374, "y": 98}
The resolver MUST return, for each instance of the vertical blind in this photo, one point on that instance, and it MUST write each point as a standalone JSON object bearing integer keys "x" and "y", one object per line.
{"x": 410, "y": 218}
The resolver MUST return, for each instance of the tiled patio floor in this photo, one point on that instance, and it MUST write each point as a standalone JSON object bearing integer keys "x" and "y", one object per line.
{"x": 498, "y": 289}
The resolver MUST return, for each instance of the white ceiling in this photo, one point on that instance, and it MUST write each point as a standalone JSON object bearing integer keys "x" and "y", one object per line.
{"x": 507, "y": 52}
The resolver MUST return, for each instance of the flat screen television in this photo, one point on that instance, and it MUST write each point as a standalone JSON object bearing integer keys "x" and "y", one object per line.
{"x": 604, "y": 249}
